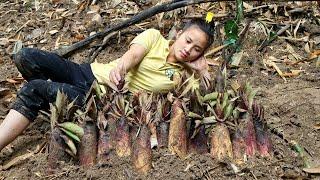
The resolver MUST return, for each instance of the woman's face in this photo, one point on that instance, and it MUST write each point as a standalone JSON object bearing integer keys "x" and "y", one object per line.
{"x": 190, "y": 44}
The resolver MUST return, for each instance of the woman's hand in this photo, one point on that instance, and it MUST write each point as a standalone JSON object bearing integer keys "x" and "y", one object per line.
{"x": 200, "y": 65}
{"x": 130, "y": 59}
{"x": 116, "y": 75}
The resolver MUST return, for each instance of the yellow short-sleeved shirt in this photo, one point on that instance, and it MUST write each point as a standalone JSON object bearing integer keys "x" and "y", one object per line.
{"x": 153, "y": 73}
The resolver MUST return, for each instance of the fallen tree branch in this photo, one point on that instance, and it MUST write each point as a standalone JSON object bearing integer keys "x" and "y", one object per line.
{"x": 135, "y": 19}
{"x": 216, "y": 49}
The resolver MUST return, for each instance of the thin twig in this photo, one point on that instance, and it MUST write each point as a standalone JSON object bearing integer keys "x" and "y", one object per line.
{"x": 94, "y": 2}
{"x": 294, "y": 39}
{"x": 216, "y": 49}
{"x": 254, "y": 176}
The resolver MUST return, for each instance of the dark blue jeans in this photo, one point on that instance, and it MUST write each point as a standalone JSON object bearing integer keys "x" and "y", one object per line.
{"x": 46, "y": 73}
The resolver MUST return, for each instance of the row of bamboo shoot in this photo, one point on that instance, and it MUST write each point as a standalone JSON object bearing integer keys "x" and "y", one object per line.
{"x": 228, "y": 125}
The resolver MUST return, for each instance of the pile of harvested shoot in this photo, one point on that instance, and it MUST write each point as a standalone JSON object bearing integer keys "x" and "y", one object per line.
{"x": 197, "y": 117}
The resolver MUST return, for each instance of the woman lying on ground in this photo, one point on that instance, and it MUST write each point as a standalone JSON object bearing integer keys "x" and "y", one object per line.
{"x": 152, "y": 63}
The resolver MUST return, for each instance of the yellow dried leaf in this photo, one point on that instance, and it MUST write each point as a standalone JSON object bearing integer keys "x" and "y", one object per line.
{"x": 278, "y": 70}
{"x": 235, "y": 85}
{"x": 79, "y": 36}
{"x": 270, "y": 62}
{"x": 293, "y": 73}
{"x": 314, "y": 54}
{"x": 82, "y": 6}
{"x": 14, "y": 81}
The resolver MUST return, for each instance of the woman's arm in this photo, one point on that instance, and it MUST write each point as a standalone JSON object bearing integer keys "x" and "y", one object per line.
{"x": 130, "y": 59}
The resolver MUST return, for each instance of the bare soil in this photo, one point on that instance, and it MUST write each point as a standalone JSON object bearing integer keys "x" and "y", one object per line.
{"x": 291, "y": 107}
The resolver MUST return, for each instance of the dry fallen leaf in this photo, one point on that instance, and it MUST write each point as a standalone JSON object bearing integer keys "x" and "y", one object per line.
{"x": 79, "y": 36}
{"x": 235, "y": 85}
{"x": 94, "y": 8}
{"x": 293, "y": 53}
{"x": 223, "y": 6}
{"x": 16, "y": 80}
{"x": 247, "y": 6}
{"x": 59, "y": 10}
{"x": 317, "y": 126}
{"x": 314, "y": 170}
{"x": 307, "y": 48}
{"x": 55, "y": 1}
{"x": 318, "y": 62}
{"x": 236, "y": 59}
{"x": 4, "y": 92}
{"x": 49, "y": 14}
{"x": 35, "y": 33}
{"x": 52, "y": 32}
{"x": 270, "y": 62}
{"x": 293, "y": 73}
{"x": 4, "y": 41}
{"x": 97, "y": 18}
{"x": 314, "y": 54}
{"x": 37, "y": 5}
{"x": 114, "y": 3}
{"x": 17, "y": 47}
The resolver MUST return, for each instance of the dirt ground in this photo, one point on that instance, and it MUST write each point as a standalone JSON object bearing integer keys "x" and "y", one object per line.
{"x": 292, "y": 107}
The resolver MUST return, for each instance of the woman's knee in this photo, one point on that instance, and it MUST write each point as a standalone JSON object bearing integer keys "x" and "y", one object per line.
{"x": 44, "y": 91}
{"x": 20, "y": 57}
{"x": 26, "y": 60}
{"x": 32, "y": 89}
{"x": 29, "y": 101}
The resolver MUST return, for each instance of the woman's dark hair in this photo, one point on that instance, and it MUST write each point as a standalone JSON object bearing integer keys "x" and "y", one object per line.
{"x": 207, "y": 27}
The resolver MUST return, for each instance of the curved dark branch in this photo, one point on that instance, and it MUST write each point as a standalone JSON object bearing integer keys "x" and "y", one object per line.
{"x": 135, "y": 19}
